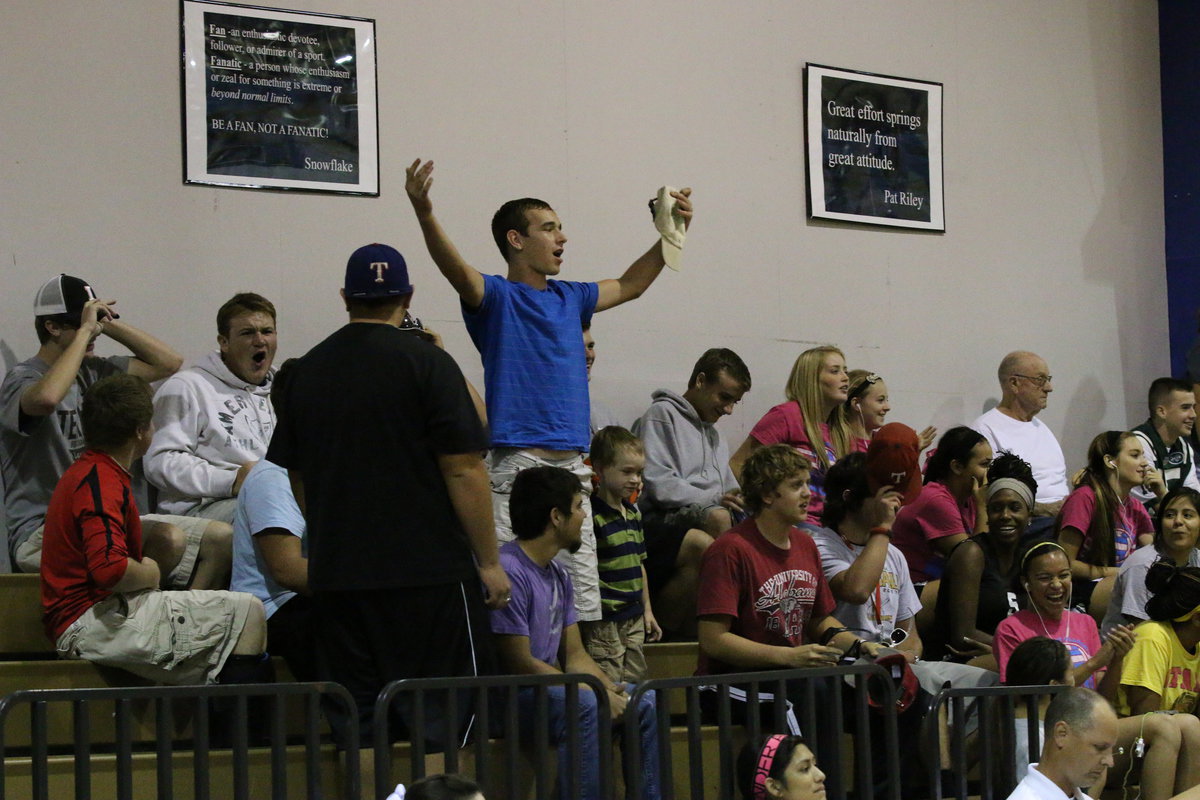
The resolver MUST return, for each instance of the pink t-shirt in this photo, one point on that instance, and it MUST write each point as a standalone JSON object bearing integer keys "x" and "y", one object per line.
{"x": 933, "y": 515}
{"x": 1131, "y": 521}
{"x": 771, "y": 593}
{"x": 785, "y": 423}
{"x": 1077, "y": 631}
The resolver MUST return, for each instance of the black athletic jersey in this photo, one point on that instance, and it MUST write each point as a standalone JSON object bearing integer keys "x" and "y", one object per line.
{"x": 996, "y": 598}
{"x": 364, "y": 417}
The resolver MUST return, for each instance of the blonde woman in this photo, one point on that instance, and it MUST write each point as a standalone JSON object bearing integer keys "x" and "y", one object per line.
{"x": 813, "y": 420}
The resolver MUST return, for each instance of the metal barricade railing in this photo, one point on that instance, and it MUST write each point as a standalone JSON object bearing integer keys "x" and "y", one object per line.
{"x": 516, "y": 709}
{"x": 169, "y": 704}
{"x": 821, "y": 695}
{"x": 980, "y": 726}
{"x": 513, "y": 710}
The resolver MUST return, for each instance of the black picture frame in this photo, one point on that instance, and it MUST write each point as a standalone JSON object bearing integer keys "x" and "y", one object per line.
{"x": 277, "y": 99}
{"x": 874, "y": 146}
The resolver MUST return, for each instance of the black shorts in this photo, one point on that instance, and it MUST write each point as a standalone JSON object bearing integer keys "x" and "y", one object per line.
{"x": 290, "y": 636}
{"x": 1082, "y": 590}
{"x": 663, "y": 540}
{"x": 367, "y": 639}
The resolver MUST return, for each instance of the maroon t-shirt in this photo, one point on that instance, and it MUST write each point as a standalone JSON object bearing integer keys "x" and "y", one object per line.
{"x": 771, "y": 593}
{"x": 92, "y": 529}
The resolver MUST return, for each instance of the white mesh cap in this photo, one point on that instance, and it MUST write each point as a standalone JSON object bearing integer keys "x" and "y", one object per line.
{"x": 62, "y": 294}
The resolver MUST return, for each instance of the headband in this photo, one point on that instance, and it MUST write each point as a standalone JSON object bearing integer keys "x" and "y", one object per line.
{"x": 860, "y": 387}
{"x": 1040, "y": 546}
{"x": 1013, "y": 485}
{"x": 1184, "y": 617}
{"x": 766, "y": 759}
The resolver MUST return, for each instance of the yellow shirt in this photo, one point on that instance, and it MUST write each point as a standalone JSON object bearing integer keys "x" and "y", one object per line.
{"x": 1159, "y": 663}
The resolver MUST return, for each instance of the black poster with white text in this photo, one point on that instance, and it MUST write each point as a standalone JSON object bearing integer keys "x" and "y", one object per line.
{"x": 874, "y": 149}
{"x": 282, "y": 99}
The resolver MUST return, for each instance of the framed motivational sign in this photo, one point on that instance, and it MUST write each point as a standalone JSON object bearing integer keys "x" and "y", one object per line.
{"x": 874, "y": 148}
{"x": 279, "y": 99}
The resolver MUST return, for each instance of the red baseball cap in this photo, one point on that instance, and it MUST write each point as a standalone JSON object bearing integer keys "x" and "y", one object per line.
{"x": 904, "y": 683}
{"x": 893, "y": 460}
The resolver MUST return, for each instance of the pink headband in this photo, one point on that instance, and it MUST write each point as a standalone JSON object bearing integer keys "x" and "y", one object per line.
{"x": 766, "y": 759}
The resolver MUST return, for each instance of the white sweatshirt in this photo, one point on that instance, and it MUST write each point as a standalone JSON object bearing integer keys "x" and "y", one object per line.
{"x": 207, "y": 423}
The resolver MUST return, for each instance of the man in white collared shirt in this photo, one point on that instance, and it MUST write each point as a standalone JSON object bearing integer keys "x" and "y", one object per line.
{"x": 1081, "y": 731}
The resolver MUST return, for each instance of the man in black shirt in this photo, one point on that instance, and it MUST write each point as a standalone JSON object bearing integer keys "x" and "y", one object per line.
{"x": 383, "y": 449}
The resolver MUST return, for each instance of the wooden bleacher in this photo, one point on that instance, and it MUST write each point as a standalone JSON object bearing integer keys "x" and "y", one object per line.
{"x": 23, "y": 640}
{"x": 21, "y": 632}
{"x": 28, "y": 661}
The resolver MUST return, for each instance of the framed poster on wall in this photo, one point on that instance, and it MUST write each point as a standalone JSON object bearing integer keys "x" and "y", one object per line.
{"x": 277, "y": 99}
{"x": 874, "y": 147}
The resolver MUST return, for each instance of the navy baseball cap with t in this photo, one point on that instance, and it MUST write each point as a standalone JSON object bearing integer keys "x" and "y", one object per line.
{"x": 62, "y": 295}
{"x": 376, "y": 270}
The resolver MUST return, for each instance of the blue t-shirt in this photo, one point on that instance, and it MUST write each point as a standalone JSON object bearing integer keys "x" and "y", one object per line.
{"x": 542, "y": 602}
{"x": 534, "y": 364}
{"x": 265, "y": 501}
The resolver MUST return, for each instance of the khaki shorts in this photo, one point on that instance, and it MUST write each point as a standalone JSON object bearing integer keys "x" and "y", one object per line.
{"x": 167, "y": 637}
{"x": 28, "y": 555}
{"x": 617, "y": 648}
{"x": 222, "y": 509}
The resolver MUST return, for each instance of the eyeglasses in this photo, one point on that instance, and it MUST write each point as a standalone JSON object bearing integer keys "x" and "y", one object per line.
{"x": 1037, "y": 380}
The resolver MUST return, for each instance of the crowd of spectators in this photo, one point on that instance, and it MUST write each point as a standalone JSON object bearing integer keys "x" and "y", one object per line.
{"x": 361, "y": 512}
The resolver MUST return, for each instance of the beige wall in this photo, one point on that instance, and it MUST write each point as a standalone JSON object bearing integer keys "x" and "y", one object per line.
{"x": 1053, "y": 187}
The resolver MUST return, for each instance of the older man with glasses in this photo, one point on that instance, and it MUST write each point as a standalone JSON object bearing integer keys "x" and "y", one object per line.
{"x": 1025, "y": 385}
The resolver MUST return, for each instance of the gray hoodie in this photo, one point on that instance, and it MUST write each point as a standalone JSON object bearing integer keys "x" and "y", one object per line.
{"x": 686, "y": 460}
{"x": 207, "y": 423}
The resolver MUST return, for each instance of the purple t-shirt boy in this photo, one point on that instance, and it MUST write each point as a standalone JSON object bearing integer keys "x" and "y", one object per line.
{"x": 542, "y": 603}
